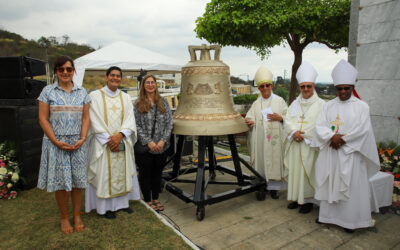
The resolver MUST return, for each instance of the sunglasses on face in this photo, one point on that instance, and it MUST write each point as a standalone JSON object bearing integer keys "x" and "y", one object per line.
{"x": 306, "y": 86}
{"x": 342, "y": 88}
{"x": 62, "y": 69}
{"x": 266, "y": 85}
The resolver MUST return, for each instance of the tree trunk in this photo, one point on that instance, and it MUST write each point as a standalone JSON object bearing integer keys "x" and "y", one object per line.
{"x": 298, "y": 57}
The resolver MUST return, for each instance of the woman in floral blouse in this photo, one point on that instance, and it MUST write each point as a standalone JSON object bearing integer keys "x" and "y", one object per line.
{"x": 64, "y": 118}
{"x": 152, "y": 110}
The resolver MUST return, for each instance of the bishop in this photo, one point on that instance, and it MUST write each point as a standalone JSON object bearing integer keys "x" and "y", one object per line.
{"x": 348, "y": 155}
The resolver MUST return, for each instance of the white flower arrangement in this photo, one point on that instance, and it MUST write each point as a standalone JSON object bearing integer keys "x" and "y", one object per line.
{"x": 9, "y": 172}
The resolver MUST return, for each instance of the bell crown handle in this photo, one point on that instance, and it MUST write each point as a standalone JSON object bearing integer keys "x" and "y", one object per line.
{"x": 205, "y": 52}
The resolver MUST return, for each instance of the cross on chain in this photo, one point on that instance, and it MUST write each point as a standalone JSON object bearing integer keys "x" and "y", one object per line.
{"x": 302, "y": 121}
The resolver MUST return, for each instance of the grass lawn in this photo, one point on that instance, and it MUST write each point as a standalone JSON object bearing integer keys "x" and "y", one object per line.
{"x": 32, "y": 222}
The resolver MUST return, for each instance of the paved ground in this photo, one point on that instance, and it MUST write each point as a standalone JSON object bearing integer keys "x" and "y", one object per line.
{"x": 245, "y": 223}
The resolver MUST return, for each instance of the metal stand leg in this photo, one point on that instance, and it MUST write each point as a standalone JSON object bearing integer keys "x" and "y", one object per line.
{"x": 177, "y": 157}
{"x": 199, "y": 186}
{"x": 246, "y": 182}
{"x": 212, "y": 162}
{"x": 236, "y": 161}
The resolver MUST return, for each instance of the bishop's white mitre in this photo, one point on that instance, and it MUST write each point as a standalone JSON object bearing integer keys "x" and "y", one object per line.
{"x": 344, "y": 73}
{"x": 263, "y": 75}
{"x": 306, "y": 73}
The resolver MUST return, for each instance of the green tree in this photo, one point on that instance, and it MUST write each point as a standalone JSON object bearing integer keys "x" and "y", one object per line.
{"x": 44, "y": 42}
{"x": 263, "y": 24}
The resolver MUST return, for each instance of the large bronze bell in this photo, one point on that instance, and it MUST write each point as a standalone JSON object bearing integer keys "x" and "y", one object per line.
{"x": 205, "y": 105}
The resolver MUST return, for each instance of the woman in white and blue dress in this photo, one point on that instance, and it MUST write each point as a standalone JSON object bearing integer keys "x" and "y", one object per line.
{"x": 64, "y": 118}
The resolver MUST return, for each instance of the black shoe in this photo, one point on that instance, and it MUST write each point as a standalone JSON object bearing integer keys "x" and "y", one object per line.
{"x": 350, "y": 231}
{"x": 127, "y": 210}
{"x": 306, "y": 208}
{"x": 293, "y": 205}
{"x": 274, "y": 194}
{"x": 110, "y": 215}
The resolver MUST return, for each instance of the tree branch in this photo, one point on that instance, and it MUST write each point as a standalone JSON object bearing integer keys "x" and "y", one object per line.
{"x": 290, "y": 42}
{"x": 306, "y": 41}
{"x": 329, "y": 45}
{"x": 295, "y": 39}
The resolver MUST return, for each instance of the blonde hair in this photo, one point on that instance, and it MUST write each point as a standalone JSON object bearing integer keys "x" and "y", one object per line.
{"x": 143, "y": 103}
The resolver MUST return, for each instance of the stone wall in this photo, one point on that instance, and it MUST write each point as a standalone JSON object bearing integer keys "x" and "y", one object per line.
{"x": 374, "y": 49}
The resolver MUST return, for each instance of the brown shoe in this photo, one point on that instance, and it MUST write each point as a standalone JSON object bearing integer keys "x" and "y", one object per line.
{"x": 159, "y": 206}
{"x": 152, "y": 205}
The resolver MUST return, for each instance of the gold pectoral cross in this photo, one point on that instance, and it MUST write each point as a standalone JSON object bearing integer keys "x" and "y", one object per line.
{"x": 302, "y": 122}
{"x": 335, "y": 124}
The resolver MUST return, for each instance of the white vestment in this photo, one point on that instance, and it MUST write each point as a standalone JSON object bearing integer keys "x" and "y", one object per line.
{"x": 341, "y": 176}
{"x": 266, "y": 139}
{"x": 299, "y": 157}
{"x": 111, "y": 175}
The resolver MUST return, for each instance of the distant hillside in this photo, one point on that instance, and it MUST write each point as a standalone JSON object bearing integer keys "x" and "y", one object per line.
{"x": 237, "y": 80}
{"x": 12, "y": 44}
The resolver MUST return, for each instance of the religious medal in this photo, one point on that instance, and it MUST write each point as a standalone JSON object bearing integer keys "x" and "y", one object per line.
{"x": 121, "y": 146}
{"x": 302, "y": 121}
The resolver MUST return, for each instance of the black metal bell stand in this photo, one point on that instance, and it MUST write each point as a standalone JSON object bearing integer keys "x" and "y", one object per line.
{"x": 246, "y": 183}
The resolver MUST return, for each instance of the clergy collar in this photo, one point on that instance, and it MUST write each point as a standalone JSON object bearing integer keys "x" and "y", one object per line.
{"x": 110, "y": 92}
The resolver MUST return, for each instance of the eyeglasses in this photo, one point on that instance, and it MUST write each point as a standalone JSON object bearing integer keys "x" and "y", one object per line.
{"x": 150, "y": 82}
{"x": 342, "y": 88}
{"x": 306, "y": 86}
{"x": 266, "y": 85}
{"x": 62, "y": 69}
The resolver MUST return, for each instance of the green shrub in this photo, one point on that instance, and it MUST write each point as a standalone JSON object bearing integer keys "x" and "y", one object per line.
{"x": 282, "y": 92}
{"x": 245, "y": 99}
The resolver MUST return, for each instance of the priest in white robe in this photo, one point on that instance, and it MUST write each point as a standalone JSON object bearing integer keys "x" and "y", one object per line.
{"x": 111, "y": 172}
{"x": 348, "y": 155}
{"x": 266, "y": 136}
{"x": 299, "y": 157}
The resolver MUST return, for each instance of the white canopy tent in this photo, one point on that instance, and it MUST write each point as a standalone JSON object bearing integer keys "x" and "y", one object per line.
{"x": 127, "y": 57}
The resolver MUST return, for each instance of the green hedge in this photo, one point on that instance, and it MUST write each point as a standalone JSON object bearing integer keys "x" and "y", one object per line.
{"x": 250, "y": 98}
{"x": 245, "y": 99}
{"x": 282, "y": 92}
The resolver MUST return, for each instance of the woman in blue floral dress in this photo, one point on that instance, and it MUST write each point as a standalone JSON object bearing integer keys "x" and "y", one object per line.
{"x": 64, "y": 118}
